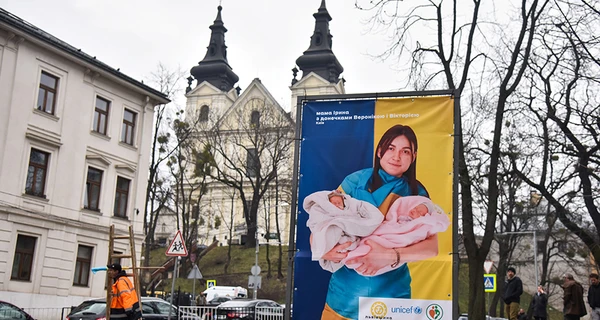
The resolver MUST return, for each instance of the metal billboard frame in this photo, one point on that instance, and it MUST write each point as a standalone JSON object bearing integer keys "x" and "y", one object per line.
{"x": 296, "y": 166}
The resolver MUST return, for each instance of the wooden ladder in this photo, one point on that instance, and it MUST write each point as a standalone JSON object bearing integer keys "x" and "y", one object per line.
{"x": 134, "y": 269}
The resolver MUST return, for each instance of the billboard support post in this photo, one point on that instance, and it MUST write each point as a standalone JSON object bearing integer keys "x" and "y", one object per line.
{"x": 455, "y": 208}
{"x": 293, "y": 211}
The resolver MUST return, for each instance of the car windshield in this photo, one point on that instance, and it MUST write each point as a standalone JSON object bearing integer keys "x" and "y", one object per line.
{"x": 10, "y": 312}
{"x": 165, "y": 307}
{"x": 238, "y": 303}
{"x": 89, "y": 307}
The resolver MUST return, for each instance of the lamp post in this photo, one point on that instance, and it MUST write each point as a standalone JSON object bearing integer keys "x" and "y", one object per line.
{"x": 535, "y": 262}
{"x": 255, "y": 269}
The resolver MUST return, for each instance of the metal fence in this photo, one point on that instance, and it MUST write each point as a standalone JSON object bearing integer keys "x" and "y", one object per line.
{"x": 197, "y": 312}
{"x": 215, "y": 313}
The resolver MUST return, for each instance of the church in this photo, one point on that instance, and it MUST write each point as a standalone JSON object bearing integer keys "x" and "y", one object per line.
{"x": 251, "y": 138}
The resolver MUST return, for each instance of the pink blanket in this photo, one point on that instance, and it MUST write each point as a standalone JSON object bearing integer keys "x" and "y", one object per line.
{"x": 394, "y": 232}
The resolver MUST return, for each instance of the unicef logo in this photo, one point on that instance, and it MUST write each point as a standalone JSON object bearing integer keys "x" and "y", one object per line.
{"x": 418, "y": 310}
{"x": 379, "y": 309}
{"x": 434, "y": 312}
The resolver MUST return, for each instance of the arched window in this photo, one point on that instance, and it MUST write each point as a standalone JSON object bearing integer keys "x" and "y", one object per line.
{"x": 255, "y": 119}
{"x": 204, "y": 113}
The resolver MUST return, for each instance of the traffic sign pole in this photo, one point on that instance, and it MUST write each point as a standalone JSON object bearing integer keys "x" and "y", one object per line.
{"x": 173, "y": 285}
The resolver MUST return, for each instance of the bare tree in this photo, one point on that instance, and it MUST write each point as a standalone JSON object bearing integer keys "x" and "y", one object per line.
{"x": 562, "y": 97}
{"x": 248, "y": 145}
{"x": 459, "y": 50}
{"x": 189, "y": 187}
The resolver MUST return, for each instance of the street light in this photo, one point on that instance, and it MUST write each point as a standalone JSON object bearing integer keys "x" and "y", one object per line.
{"x": 535, "y": 262}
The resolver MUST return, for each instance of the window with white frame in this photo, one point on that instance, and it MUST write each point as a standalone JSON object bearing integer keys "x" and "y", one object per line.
{"x": 47, "y": 92}
{"x": 101, "y": 115}
{"x": 35, "y": 183}
{"x": 83, "y": 266}
{"x": 121, "y": 197}
{"x": 93, "y": 185}
{"x": 23, "y": 262}
{"x": 128, "y": 128}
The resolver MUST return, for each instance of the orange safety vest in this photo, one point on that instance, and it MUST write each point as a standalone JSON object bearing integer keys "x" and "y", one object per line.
{"x": 124, "y": 303}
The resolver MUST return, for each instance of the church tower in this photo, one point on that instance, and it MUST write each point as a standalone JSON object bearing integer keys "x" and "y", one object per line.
{"x": 320, "y": 68}
{"x": 214, "y": 91}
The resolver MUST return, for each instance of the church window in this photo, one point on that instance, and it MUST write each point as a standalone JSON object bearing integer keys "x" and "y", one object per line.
{"x": 252, "y": 163}
{"x": 204, "y": 113}
{"x": 255, "y": 120}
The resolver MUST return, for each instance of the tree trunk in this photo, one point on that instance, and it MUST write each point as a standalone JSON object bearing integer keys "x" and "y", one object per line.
{"x": 476, "y": 298}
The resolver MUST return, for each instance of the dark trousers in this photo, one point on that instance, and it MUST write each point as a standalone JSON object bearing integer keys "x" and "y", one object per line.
{"x": 571, "y": 317}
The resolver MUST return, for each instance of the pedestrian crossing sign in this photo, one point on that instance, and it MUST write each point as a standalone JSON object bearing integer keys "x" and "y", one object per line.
{"x": 489, "y": 282}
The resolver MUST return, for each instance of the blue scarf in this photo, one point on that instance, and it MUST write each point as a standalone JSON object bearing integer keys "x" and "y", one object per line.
{"x": 358, "y": 183}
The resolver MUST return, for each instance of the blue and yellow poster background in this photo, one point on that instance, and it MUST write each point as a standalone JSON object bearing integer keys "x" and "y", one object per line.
{"x": 339, "y": 138}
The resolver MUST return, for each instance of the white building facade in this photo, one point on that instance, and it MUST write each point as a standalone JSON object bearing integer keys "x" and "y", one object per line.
{"x": 74, "y": 147}
{"x": 216, "y": 101}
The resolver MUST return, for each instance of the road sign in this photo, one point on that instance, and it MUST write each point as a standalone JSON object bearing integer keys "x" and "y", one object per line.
{"x": 195, "y": 273}
{"x": 177, "y": 247}
{"x": 211, "y": 283}
{"x": 255, "y": 270}
{"x": 254, "y": 282}
{"x": 487, "y": 266}
{"x": 489, "y": 282}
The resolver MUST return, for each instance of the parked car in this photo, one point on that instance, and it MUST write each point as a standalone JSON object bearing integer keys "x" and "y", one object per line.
{"x": 152, "y": 309}
{"x": 218, "y": 300}
{"x": 9, "y": 311}
{"x": 245, "y": 309}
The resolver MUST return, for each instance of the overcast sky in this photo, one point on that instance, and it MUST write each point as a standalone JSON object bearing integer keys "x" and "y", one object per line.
{"x": 264, "y": 38}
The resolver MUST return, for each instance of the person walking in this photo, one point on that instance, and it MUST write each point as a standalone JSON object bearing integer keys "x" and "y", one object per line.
{"x": 513, "y": 289}
{"x": 594, "y": 296}
{"x": 574, "y": 307}
{"x": 124, "y": 303}
{"x": 540, "y": 304}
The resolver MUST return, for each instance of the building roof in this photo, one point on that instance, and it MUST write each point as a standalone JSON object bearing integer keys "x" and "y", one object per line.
{"x": 319, "y": 57}
{"x": 214, "y": 68}
{"x": 25, "y": 28}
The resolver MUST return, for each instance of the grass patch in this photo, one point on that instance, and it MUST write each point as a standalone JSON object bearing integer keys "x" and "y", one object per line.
{"x": 242, "y": 259}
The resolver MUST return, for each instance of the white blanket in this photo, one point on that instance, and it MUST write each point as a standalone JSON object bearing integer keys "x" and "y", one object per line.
{"x": 331, "y": 225}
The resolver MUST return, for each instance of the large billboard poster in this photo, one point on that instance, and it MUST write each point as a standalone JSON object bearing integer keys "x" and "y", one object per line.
{"x": 374, "y": 229}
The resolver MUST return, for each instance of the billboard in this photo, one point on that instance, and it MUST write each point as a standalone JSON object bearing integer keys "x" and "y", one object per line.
{"x": 374, "y": 234}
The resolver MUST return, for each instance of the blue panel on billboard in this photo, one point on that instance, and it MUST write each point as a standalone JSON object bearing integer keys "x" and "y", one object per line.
{"x": 342, "y": 149}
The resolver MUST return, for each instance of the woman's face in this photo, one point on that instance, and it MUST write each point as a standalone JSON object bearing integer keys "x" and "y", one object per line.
{"x": 398, "y": 157}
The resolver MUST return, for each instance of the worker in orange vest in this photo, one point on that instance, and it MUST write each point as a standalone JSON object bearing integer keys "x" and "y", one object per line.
{"x": 124, "y": 303}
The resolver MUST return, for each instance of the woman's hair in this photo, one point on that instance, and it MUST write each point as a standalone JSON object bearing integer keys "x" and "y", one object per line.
{"x": 384, "y": 143}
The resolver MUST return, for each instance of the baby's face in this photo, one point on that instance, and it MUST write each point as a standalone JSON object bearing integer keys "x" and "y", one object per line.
{"x": 418, "y": 211}
{"x": 337, "y": 201}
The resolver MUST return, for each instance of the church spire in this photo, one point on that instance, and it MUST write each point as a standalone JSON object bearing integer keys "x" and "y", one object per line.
{"x": 319, "y": 57}
{"x": 214, "y": 68}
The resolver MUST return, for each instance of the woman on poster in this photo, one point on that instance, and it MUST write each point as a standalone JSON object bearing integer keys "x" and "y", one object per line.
{"x": 393, "y": 175}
